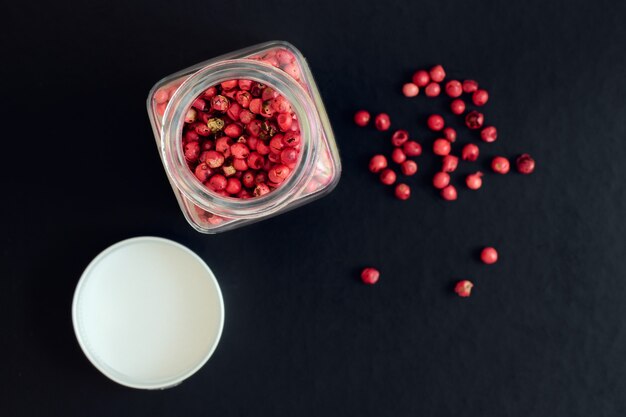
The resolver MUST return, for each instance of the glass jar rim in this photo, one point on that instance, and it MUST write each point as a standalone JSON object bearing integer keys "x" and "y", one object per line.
{"x": 172, "y": 127}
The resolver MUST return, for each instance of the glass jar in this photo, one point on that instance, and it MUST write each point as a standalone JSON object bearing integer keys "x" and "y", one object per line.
{"x": 316, "y": 172}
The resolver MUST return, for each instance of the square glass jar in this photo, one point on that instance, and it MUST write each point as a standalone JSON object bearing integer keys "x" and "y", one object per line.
{"x": 317, "y": 171}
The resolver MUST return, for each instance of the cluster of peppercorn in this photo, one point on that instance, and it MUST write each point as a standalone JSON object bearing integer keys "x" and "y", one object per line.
{"x": 241, "y": 139}
{"x": 403, "y": 148}
{"x": 474, "y": 120}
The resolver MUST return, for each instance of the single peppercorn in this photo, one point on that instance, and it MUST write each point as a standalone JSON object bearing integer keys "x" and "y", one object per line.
{"x": 441, "y": 180}
{"x": 435, "y": 122}
{"x": 474, "y": 120}
{"x": 387, "y": 176}
{"x": 403, "y": 191}
{"x": 441, "y": 147}
{"x": 525, "y": 164}
{"x": 408, "y": 168}
{"x": 463, "y": 288}
{"x": 449, "y": 163}
{"x": 421, "y": 78}
{"x": 480, "y": 97}
{"x": 449, "y": 133}
{"x": 474, "y": 181}
{"x": 469, "y": 86}
{"x": 382, "y": 122}
{"x": 412, "y": 148}
{"x": 470, "y": 152}
{"x": 432, "y": 90}
{"x": 361, "y": 118}
{"x": 457, "y": 106}
{"x": 449, "y": 193}
{"x": 399, "y": 137}
{"x": 489, "y": 134}
{"x": 410, "y": 90}
{"x": 377, "y": 163}
{"x": 398, "y": 156}
{"x": 437, "y": 73}
{"x": 370, "y": 276}
{"x": 454, "y": 88}
{"x": 500, "y": 165}
{"x": 489, "y": 255}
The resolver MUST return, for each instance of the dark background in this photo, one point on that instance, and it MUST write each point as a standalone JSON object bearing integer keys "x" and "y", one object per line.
{"x": 543, "y": 333}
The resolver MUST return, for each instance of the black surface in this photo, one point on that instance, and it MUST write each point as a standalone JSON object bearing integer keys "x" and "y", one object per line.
{"x": 542, "y": 335}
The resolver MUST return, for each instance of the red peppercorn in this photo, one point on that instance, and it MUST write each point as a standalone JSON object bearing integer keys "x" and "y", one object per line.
{"x": 449, "y": 163}
{"x": 233, "y": 111}
{"x": 463, "y": 288}
{"x": 261, "y": 189}
{"x": 489, "y": 134}
{"x": 398, "y": 156}
{"x": 435, "y": 122}
{"x": 277, "y": 144}
{"x": 450, "y": 134}
{"x": 233, "y": 130}
{"x": 260, "y": 177}
{"x": 248, "y": 179}
{"x": 223, "y": 145}
{"x": 240, "y": 164}
{"x": 408, "y": 168}
{"x": 218, "y": 182}
{"x": 244, "y": 84}
{"x": 441, "y": 147}
{"x": 480, "y": 97}
{"x": 474, "y": 120}
{"x": 382, "y": 122}
{"x": 474, "y": 181}
{"x": 214, "y": 159}
{"x": 161, "y": 96}
{"x": 470, "y": 152}
{"x": 432, "y": 90}
{"x": 199, "y": 104}
{"x": 370, "y": 276}
{"x": 410, "y": 90}
{"x": 233, "y": 186}
{"x": 203, "y": 172}
{"x": 291, "y": 138}
{"x": 378, "y": 163}
{"x": 255, "y": 160}
{"x": 469, "y": 86}
{"x": 500, "y": 165}
{"x": 399, "y": 137}
{"x": 437, "y": 73}
{"x": 421, "y": 78}
{"x": 191, "y": 136}
{"x": 362, "y": 118}
{"x": 449, "y": 193}
{"x": 403, "y": 191}
{"x": 255, "y": 105}
{"x": 457, "y": 106}
{"x": 412, "y": 148}
{"x": 191, "y": 115}
{"x": 219, "y": 103}
{"x": 387, "y": 176}
{"x": 489, "y": 255}
{"x": 246, "y": 116}
{"x": 454, "y": 88}
{"x": 243, "y": 98}
{"x": 281, "y": 105}
{"x": 262, "y": 147}
{"x": 239, "y": 151}
{"x": 278, "y": 173}
{"x": 289, "y": 156}
{"x": 525, "y": 164}
{"x": 254, "y": 127}
{"x": 441, "y": 180}
{"x": 209, "y": 92}
{"x": 229, "y": 85}
{"x": 284, "y": 121}
{"x": 192, "y": 151}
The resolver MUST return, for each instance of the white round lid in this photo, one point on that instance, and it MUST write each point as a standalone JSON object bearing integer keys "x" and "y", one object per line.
{"x": 148, "y": 312}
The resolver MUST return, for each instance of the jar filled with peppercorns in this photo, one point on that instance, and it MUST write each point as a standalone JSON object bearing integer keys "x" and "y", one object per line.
{"x": 244, "y": 136}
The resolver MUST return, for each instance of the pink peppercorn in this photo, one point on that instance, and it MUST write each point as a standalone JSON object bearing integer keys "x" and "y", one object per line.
{"x": 214, "y": 159}
{"x": 410, "y": 90}
{"x": 260, "y": 177}
{"x": 262, "y": 147}
{"x": 454, "y": 88}
{"x": 248, "y": 179}
{"x": 370, "y": 276}
{"x": 449, "y": 193}
{"x": 441, "y": 147}
{"x": 233, "y": 186}
{"x": 161, "y": 96}
{"x": 201, "y": 129}
{"x": 191, "y": 136}
{"x": 284, "y": 57}
{"x": 199, "y": 104}
{"x": 457, "y": 106}
{"x": 432, "y": 90}
{"x": 255, "y": 160}
{"x": 441, "y": 180}
{"x": 361, "y": 118}
{"x": 246, "y": 116}
{"x": 382, "y": 122}
{"x": 489, "y": 255}
{"x": 420, "y": 78}
{"x": 398, "y": 156}
{"x": 474, "y": 120}
{"x": 209, "y": 93}
{"x": 450, "y": 134}
{"x": 243, "y": 98}
{"x": 403, "y": 191}
{"x": 233, "y": 111}
{"x": 437, "y": 73}
{"x": 463, "y": 288}
{"x": 435, "y": 122}
{"x": 277, "y": 144}
{"x": 449, "y": 163}
{"x": 399, "y": 137}
{"x": 480, "y": 97}
{"x": 240, "y": 164}
{"x": 387, "y": 176}
{"x": 291, "y": 138}
{"x": 500, "y": 165}
{"x": 223, "y": 144}
{"x": 233, "y": 130}
{"x": 470, "y": 152}
{"x": 284, "y": 121}
{"x": 377, "y": 163}
{"x": 525, "y": 164}
{"x": 469, "y": 86}
{"x": 278, "y": 173}
{"x": 489, "y": 134}
{"x": 408, "y": 168}
{"x": 229, "y": 85}
{"x": 412, "y": 148}
{"x": 219, "y": 103}
{"x": 203, "y": 172}
{"x": 474, "y": 181}
{"x": 255, "y": 105}
{"x": 239, "y": 151}
{"x": 281, "y": 105}
{"x": 191, "y": 115}
{"x": 244, "y": 84}
{"x": 289, "y": 156}
{"x": 191, "y": 151}
{"x": 218, "y": 182}
{"x": 261, "y": 189}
